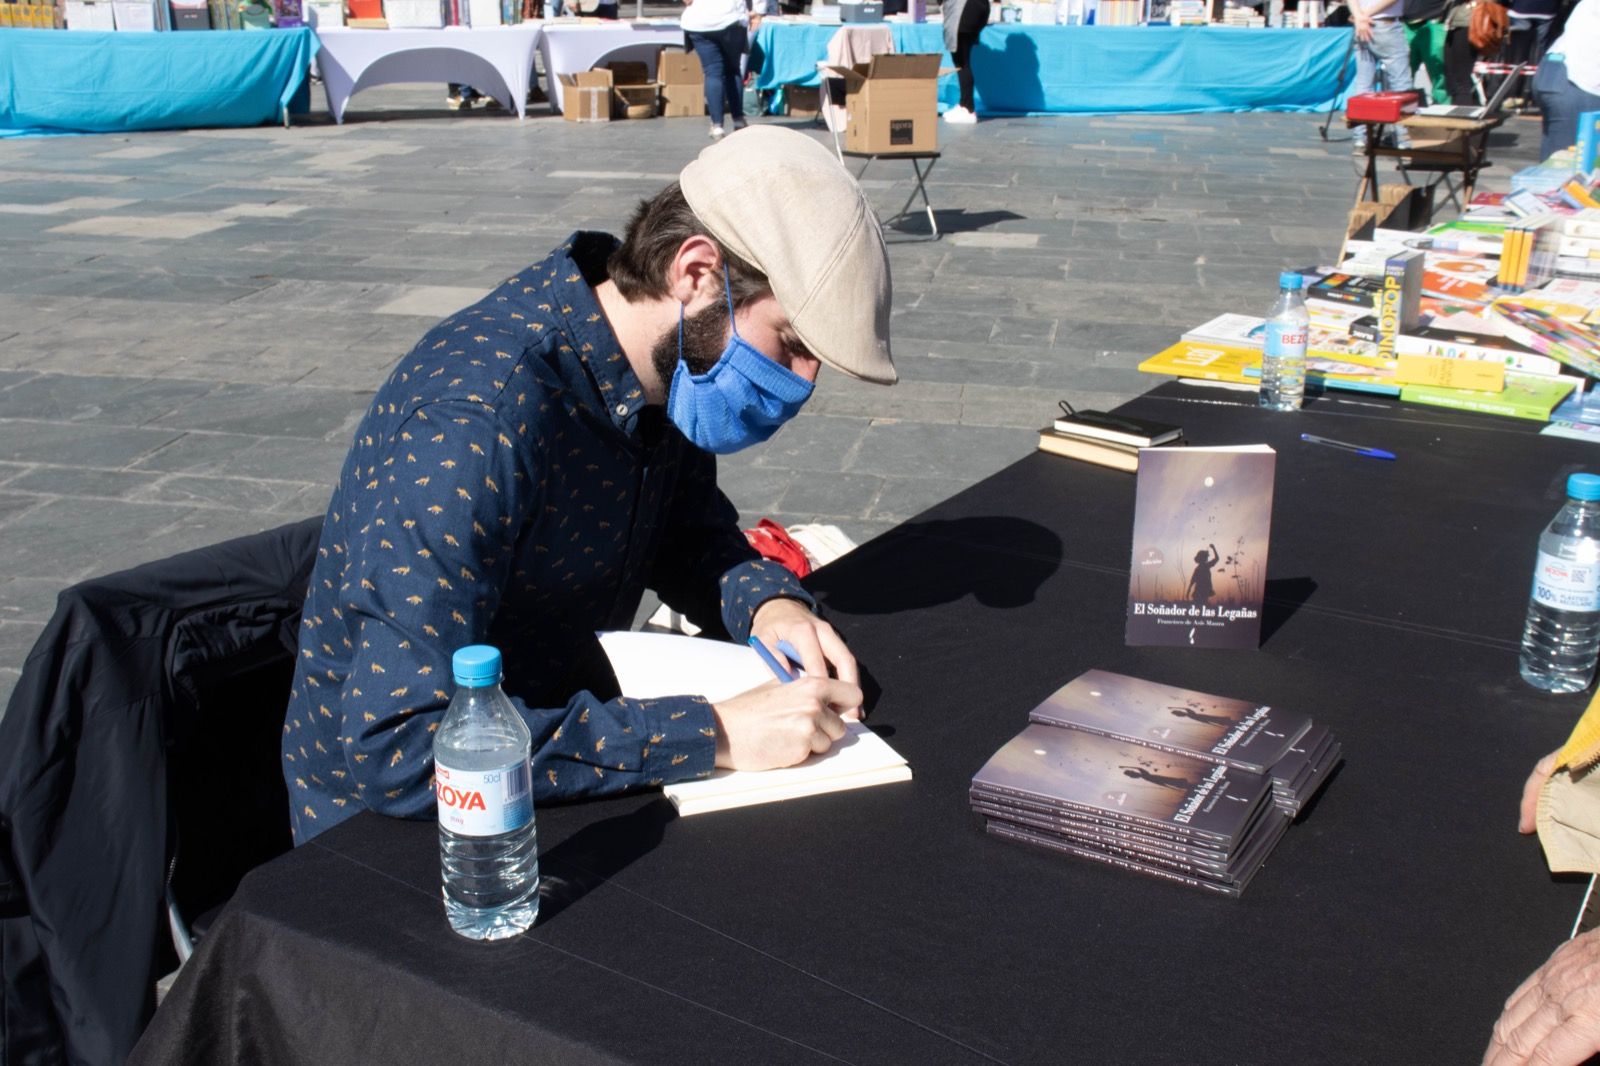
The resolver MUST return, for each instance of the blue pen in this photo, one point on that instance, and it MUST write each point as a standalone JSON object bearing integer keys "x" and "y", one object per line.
{"x": 777, "y": 668}
{"x": 1359, "y": 449}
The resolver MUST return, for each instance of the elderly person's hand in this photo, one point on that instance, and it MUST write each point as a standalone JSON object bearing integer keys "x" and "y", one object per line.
{"x": 1553, "y": 1019}
{"x": 1530, "y": 792}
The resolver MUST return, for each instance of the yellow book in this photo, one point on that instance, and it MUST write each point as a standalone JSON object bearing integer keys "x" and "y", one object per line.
{"x": 1450, "y": 373}
{"x": 1210, "y": 362}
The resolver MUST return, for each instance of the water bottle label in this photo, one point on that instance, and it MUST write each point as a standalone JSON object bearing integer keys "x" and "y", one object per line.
{"x": 1566, "y": 585}
{"x": 484, "y": 803}
{"x": 1284, "y": 339}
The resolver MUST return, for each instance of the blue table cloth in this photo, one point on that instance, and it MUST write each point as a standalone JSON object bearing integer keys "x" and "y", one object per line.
{"x": 88, "y": 82}
{"x": 1103, "y": 69}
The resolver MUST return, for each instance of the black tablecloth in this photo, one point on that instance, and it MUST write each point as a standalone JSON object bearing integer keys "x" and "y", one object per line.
{"x": 885, "y": 925}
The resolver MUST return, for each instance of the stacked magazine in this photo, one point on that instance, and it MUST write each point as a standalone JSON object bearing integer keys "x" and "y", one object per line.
{"x": 1164, "y": 781}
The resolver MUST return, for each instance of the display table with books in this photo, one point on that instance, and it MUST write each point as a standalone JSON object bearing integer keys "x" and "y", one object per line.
{"x": 1100, "y": 69}
{"x": 1388, "y": 923}
{"x": 497, "y": 61}
{"x": 99, "y": 82}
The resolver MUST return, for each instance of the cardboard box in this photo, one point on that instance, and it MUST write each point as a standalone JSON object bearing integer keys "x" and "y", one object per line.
{"x": 892, "y": 103}
{"x": 629, "y": 73}
{"x": 635, "y": 101}
{"x": 677, "y": 67}
{"x": 803, "y": 101}
{"x": 683, "y": 100}
{"x": 586, "y": 97}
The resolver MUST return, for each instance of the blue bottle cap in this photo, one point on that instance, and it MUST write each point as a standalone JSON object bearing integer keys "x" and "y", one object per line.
{"x": 1289, "y": 280}
{"x": 478, "y": 665}
{"x": 1584, "y": 486}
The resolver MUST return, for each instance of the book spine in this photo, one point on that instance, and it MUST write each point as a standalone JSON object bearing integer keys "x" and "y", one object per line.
{"x": 1149, "y": 871}
{"x": 1442, "y": 398}
{"x": 1108, "y": 846}
{"x": 1101, "y": 812}
{"x": 1059, "y": 823}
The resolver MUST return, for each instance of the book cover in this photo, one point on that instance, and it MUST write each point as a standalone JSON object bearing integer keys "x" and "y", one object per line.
{"x": 1210, "y": 362}
{"x": 1241, "y": 733}
{"x": 1450, "y": 343}
{"x": 1184, "y": 589}
{"x": 1573, "y": 345}
{"x": 1464, "y": 281}
{"x": 1588, "y": 140}
{"x": 1524, "y": 396}
{"x": 1241, "y": 331}
{"x": 1350, "y": 289}
{"x": 1116, "y": 428}
{"x": 1171, "y": 793}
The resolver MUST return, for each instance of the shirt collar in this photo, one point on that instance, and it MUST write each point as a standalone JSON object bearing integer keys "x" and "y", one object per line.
{"x": 571, "y": 273}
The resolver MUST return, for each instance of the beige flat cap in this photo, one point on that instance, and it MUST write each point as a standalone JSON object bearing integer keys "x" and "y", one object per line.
{"x": 784, "y": 203}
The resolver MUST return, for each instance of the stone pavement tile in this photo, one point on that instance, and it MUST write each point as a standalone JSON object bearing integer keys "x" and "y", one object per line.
{"x": 196, "y": 528}
{"x": 955, "y": 370}
{"x": 170, "y": 287}
{"x": 28, "y": 599}
{"x": 273, "y": 411}
{"x": 831, "y": 495}
{"x": 233, "y": 454}
{"x": 754, "y": 490}
{"x": 116, "y": 401}
{"x": 292, "y": 294}
{"x": 74, "y": 444}
{"x": 51, "y": 541}
{"x": 1027, "y": 332}
{"x": 145, "y": 227}
{"x": 59, "y": 207}
{"x": 16, "y": 504}
{"x": 811, "y": 442}
{"x": 78, "y": 481}
{"x": 237, "y": 494}
{"x": 432, "y": 301}
{"x": 941, "y": 325}
{"x": 9, "y": 472}
{"x": 904, "y": 497}
{"x": 913, "y": 449}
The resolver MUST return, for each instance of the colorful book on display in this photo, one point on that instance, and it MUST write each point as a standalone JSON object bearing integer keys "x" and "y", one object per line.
{"x": 1209, "y": 362}
{"x": 1202, "y": 519}
{"x": 1573, "y": 345}
{"x": 1397, "y": 301}
{"x": 1525, "y": 396}
{"x": 1485, "y": 343}
{"x": 652, "y": 665}
{"x": 1588, "y": 149}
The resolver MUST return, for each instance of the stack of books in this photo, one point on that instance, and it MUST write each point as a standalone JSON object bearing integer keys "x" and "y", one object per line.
{"x": 1176, "y": 784}
{"x": 1105, "y": 439}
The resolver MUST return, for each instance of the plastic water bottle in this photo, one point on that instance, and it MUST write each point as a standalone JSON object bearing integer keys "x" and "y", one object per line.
{"x": 488, "y": 842}
{"x": 1283, "y": 355}
{"x": 1561, "y": 640}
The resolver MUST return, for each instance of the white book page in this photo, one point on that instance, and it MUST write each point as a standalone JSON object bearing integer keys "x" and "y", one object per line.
{"x": 650, "y": 665}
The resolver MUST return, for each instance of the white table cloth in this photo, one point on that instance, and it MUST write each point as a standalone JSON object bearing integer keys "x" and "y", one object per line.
{"x": 569, "y": 48}
{"x": 496, "y": 60}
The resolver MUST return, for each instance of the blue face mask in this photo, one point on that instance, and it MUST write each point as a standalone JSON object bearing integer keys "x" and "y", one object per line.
{"x": 740, "y": 401}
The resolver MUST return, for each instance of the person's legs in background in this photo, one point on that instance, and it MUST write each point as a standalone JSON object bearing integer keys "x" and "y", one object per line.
{"x": 710, "y": 53}
{"x": 974, "y": 17}
{"x": 1366, "y": 81}
{"x": 1560, "y": 104}
{"x": 1459, "y": 57}
{"x": 1393, "y": 56}
{"x": 733, "y": 41}
{"x": 1426, "y": 41}
{"x": 460, "y": 97}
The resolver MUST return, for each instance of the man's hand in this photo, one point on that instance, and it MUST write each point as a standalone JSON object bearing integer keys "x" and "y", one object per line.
{"x": 1530, "y": 792}
{"x": 1553, "y": 1019}
{"x": 1363, "y": 25}
{"x": 818, "y": 644}
{"x": 782, "y": 723}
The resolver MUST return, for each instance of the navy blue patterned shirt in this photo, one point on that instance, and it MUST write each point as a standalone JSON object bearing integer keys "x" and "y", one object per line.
{"x": 509, "y": 486}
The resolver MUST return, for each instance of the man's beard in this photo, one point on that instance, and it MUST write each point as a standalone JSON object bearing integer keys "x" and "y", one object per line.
{"x": 705, "y": 334}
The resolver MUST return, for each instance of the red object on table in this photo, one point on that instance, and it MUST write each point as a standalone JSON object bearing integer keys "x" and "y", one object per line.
{"x": 1381, "y": 107}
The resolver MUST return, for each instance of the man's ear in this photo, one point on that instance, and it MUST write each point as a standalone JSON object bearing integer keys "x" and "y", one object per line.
{"x": 695, "y": 276}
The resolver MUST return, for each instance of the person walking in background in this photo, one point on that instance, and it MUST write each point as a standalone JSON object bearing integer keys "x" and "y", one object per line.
{"x": 1568, "y": 81}
{"x": 1530, "y": 32}
{"x": 1459, "y": 55}
{"x": 963, "y": 21}
{"x": 1380, "y": 43}
{"x": 717, "y": 33}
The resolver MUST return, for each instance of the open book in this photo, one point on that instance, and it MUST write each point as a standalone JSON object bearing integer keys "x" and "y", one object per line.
{"x": 665, "y": 664}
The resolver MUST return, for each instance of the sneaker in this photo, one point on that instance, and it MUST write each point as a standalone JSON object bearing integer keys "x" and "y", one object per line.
{"x": 491, "y": 104}
{"x": 960, "y": 116}
{"x": 1358, "y": 147}
{"x": 739, "y": 124}
{"x": 717, "y": 133}
{"x": 458, "y": 103}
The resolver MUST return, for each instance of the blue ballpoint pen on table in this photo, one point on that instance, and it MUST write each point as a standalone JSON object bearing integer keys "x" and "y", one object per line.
{"x": 781, "y": 672}
{"x": 1359, "y": 449}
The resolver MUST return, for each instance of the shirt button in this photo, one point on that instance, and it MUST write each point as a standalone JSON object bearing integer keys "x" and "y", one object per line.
{"x": 622, "y": 409}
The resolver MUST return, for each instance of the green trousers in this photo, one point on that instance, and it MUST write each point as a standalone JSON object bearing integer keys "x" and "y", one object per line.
{"x": 1427, "y": 51}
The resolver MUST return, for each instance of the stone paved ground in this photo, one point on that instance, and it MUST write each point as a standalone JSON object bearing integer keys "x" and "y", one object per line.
{"x": 192, "y": 322}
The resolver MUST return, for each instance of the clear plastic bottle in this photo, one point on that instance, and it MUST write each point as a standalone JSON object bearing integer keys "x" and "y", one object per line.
{"x": 1283, "y": 353}
{"x": 1561, "y": 639}
{"x": 488, "y": 841}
